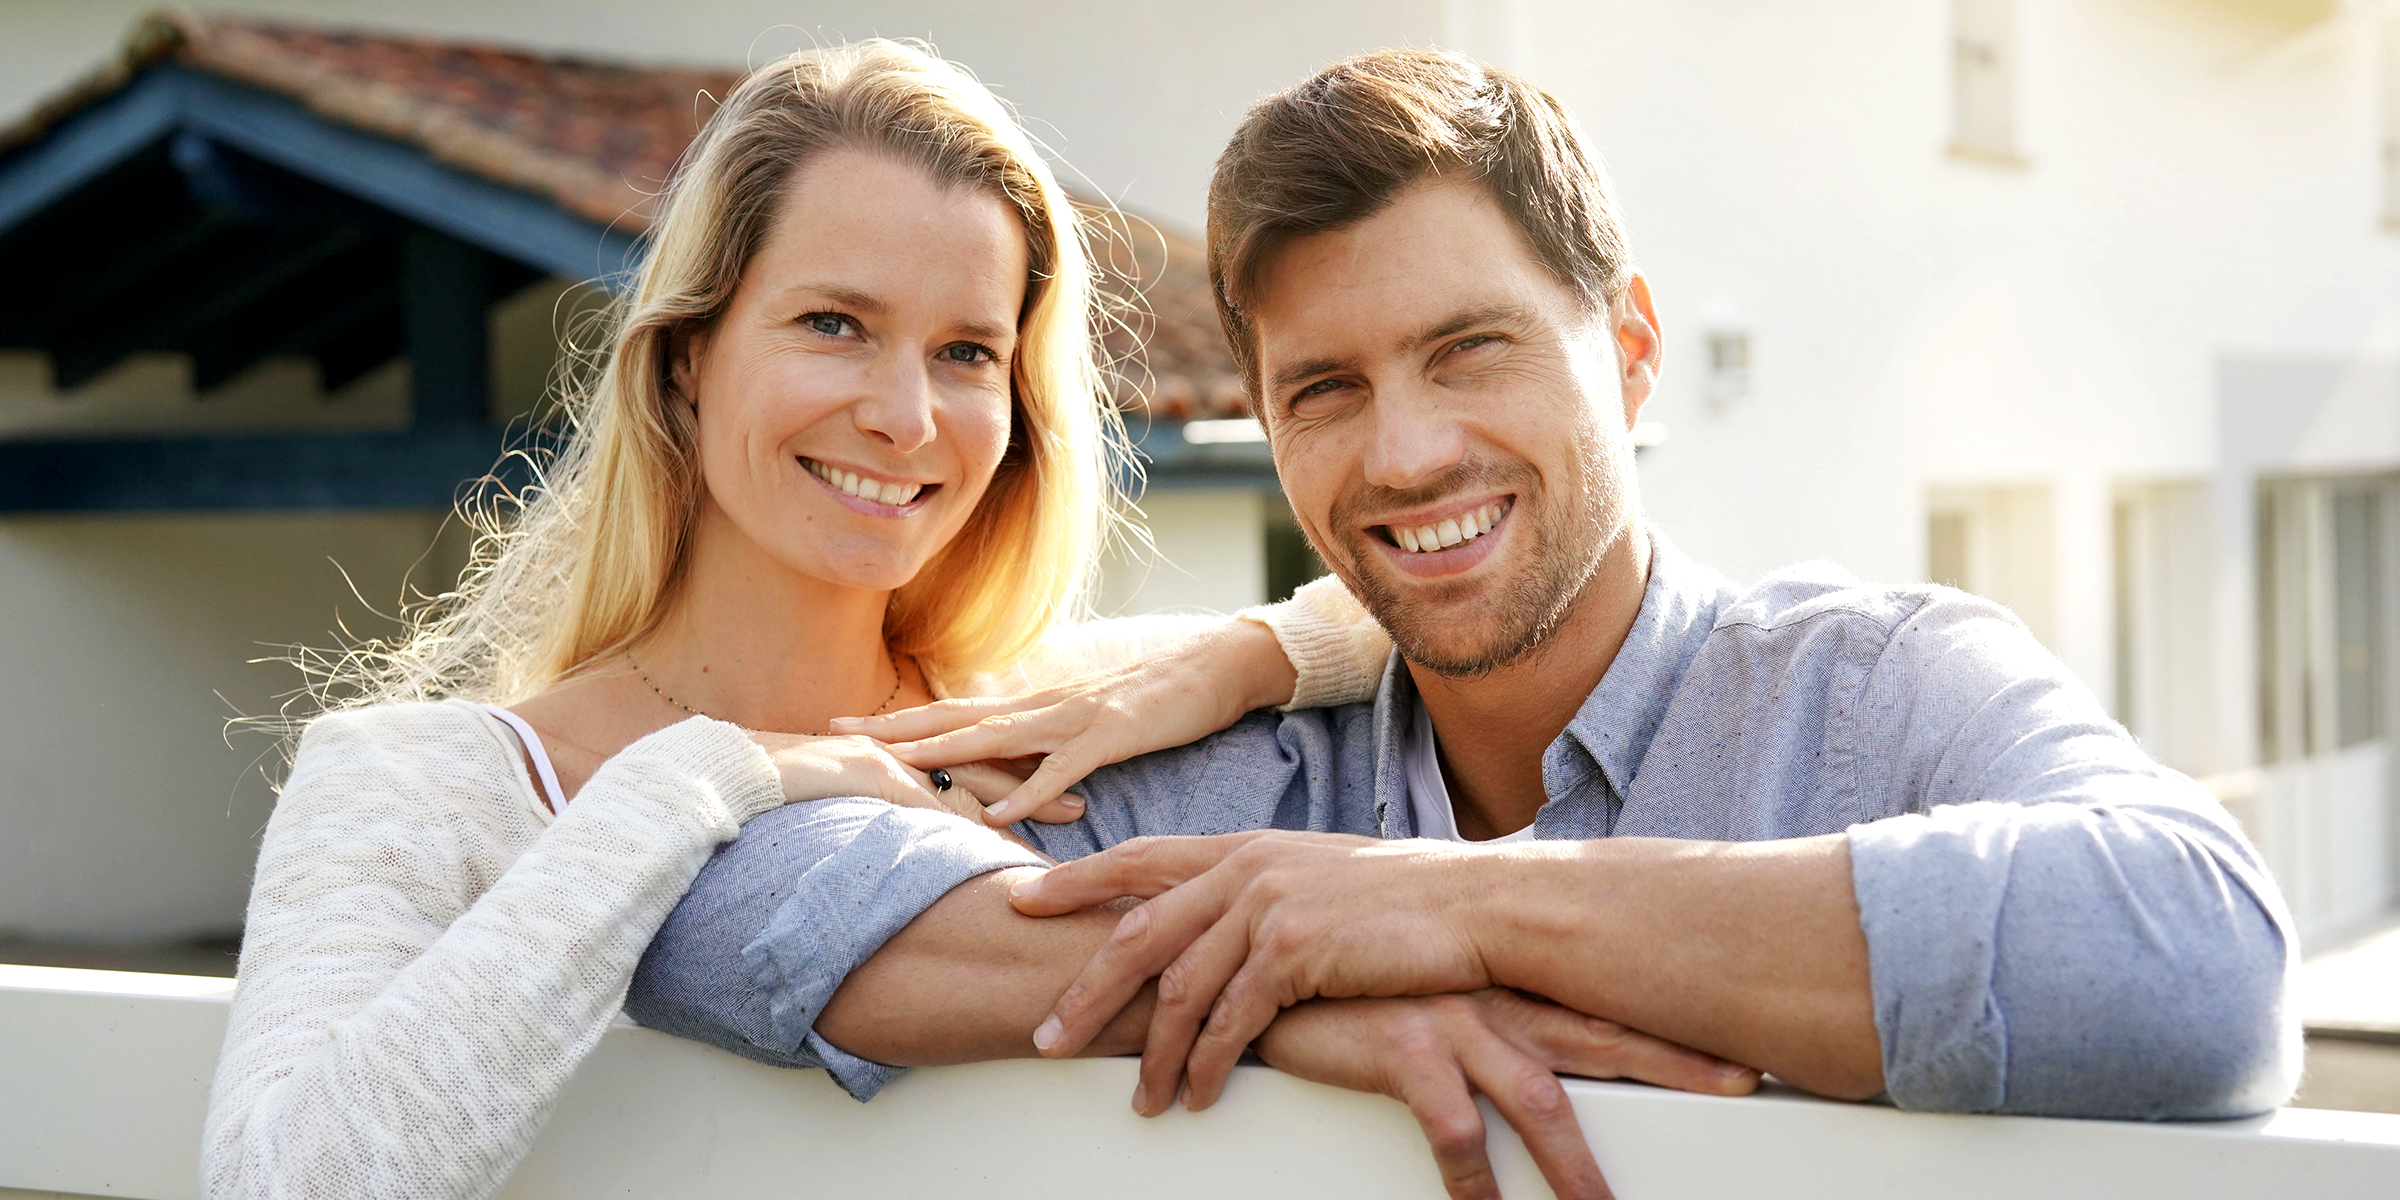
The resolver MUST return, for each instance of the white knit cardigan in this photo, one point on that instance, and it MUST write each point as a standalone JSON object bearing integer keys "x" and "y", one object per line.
{"x": 430, "y": 952}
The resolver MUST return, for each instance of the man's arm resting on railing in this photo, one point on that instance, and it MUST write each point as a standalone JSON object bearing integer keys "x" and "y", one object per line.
{"x": 2062, "y": 927}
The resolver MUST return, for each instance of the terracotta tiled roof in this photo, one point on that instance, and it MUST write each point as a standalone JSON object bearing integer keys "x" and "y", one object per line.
{"x": 600, "y": 138}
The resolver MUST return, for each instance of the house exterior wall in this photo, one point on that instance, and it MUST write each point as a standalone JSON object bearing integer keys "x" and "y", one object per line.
{"x": 2180, "y": 276}
{"x": 129, "y": 810}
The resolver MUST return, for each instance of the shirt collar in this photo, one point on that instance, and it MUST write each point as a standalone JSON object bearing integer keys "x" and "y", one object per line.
{"x": 1613, "y": 728}
{"x": 1617, "y": 721}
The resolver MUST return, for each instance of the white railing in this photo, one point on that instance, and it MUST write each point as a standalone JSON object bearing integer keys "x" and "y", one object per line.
{"x": 104, "y": 1076}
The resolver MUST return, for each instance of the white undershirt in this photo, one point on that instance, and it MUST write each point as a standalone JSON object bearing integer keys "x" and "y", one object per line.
{"x": 554, "y": 797}
{"x": 1428, "y": 793}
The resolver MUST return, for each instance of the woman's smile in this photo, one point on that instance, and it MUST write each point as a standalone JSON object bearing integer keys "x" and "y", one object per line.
{"x": 871, "y": 494}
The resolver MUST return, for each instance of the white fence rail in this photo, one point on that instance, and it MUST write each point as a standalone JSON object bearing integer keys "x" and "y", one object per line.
{"x": 104, "y": 1076}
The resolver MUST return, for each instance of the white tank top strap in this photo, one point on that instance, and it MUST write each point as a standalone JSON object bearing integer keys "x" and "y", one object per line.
{"x": 553, "y": 797}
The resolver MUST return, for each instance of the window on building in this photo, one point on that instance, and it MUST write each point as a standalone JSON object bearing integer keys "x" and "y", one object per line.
{"x": 2324, "y": 614}
{"x": 1984, "y": 74}
{"x": 1291, "y": 561}
{"x": 2389, "y": 144}
{"x": 1996, "y": 542}
{"x": 2164, "y": 677}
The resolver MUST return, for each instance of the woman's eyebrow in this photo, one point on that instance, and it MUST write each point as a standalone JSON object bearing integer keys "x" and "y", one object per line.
{"x": 842, "y": 294}
{"x": 989, "y": 331}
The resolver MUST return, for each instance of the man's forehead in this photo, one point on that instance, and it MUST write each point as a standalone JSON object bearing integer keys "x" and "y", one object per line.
{"x": 1441, "y": 248}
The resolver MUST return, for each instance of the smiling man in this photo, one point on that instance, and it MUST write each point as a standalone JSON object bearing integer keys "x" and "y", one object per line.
{"x": 1873, "y": 840}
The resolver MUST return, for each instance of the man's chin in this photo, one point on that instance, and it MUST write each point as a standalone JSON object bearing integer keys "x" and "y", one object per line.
{"x": 1456, "y": 629}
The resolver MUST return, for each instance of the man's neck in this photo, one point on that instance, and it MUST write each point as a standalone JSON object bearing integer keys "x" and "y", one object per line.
{"x": 1493, "y": 728}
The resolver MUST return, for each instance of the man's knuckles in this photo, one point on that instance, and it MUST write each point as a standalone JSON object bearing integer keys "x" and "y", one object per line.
{"x": 1538, "y": 1093}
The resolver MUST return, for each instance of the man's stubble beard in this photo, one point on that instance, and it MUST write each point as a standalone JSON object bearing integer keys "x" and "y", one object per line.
{"x": 1525, "y": 611}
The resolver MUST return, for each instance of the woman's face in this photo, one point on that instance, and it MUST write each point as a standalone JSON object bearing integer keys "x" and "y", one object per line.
{"x": 853, "y": 400}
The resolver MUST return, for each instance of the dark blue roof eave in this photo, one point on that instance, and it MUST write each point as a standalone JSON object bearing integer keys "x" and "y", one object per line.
{"x": 392, "y": 175}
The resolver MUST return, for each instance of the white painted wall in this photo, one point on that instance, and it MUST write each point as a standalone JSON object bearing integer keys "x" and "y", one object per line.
{"x": 1206, "y": 553}
{"x": 125, "y": 644}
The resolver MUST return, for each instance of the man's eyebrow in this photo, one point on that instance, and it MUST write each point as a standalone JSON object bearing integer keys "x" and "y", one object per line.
{"x": 1460, "y": 322}
{"x": 1304, "y": 370}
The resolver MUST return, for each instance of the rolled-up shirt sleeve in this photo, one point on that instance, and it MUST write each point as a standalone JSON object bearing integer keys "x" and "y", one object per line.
{"x": 782, "y": 915}
{"x": 2061, "y": 926}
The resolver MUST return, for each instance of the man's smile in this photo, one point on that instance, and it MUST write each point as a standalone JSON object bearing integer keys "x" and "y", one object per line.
{"x": 1445, "y": 540}
{"x": 1442, "y": 533}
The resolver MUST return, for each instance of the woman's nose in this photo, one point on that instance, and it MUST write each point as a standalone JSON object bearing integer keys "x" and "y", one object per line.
{"x": 898, "y": 406}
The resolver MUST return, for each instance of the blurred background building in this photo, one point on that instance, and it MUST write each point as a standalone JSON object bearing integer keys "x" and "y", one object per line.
{"x": 2086, "y": 305}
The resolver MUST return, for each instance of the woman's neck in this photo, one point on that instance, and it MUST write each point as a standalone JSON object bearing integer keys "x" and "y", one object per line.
{"x": 747, "y": 639}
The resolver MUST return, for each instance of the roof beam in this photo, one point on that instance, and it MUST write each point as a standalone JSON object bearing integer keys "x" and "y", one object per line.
{"x": 169, "y": 311}
{"x": 425, "y": 468}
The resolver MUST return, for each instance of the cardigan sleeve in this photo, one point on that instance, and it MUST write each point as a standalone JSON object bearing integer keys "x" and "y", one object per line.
{"x": 414, "y": 990}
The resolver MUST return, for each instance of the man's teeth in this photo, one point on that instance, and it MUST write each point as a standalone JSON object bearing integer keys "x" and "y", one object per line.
{"x": 1422, "y": 539}
{"x": 865, "y": 489}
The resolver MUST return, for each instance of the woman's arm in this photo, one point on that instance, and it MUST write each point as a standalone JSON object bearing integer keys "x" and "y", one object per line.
{"x": 414, "y": 992}
{"x": 1107, "y": 691}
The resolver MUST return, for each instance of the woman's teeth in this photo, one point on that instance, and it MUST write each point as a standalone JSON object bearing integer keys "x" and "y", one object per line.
{"x": 1424, "y": 539}
{"x": 864, "y": 489}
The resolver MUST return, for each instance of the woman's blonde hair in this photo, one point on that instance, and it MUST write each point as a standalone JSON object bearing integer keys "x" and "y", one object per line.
{"x": 585, "y": 566}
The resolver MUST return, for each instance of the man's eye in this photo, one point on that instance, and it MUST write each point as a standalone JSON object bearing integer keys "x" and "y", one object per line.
{"x": 1473, "y": 343}
{"x": 968, "y": 352}
{"x": 1322, "y": 387}
{"x": 829, "y": 324}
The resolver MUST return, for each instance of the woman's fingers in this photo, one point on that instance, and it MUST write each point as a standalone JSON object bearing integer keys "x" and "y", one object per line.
{"x": 1044, "y": 793}
{"x": 939, "y": 717}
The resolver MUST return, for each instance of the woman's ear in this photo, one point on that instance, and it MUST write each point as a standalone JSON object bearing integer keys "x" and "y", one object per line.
{"x": 685, "y": 349}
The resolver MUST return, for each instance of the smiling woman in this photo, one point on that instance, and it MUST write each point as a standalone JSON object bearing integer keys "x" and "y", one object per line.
{"x": 847, "y": 454}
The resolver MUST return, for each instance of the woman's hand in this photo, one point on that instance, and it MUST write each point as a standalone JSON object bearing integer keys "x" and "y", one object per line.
{"x": 1193, "y": 689}
{"x": 820, "y": 768}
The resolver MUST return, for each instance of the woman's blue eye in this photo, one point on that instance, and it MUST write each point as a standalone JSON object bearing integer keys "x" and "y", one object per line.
{"x": 829, "y": 324}
{"x": 967, "y": 352}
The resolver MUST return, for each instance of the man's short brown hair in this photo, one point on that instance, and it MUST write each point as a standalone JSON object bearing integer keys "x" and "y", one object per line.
{"x": 1336, "y": 149}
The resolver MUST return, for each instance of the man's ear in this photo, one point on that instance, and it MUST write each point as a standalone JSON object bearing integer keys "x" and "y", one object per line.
{"x": 1640, "y": 348}
{"x": 685, "y": 349}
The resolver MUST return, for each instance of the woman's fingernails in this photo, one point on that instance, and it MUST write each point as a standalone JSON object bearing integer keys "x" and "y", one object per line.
{"x": 1141, "y": 1100}
{"x": 838, "y": 722}
{"x": 1046, "y": 1035}
{"x": 996, "y": 814}
{"x": 1071, "y": 800}
{"x": 1026, "y": 887}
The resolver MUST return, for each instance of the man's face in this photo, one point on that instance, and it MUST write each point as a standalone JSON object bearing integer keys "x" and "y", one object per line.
{"x": 1450, "y": 424}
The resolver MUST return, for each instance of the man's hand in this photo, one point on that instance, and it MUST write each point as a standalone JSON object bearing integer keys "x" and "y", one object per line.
{"x": 1238, "y": 927}
{"x": 1435, "y": 1053}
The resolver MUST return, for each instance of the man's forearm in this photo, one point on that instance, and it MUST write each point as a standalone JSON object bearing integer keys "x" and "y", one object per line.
{"x": 969, "y": 979}
{"x": 1751, "y": 951}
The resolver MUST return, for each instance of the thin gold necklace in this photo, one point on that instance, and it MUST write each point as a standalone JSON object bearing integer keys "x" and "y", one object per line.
{"x": 888, "y": 660}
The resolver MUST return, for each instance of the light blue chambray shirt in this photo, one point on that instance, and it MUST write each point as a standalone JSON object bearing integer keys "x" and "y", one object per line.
{"x": 2055, "y": 923}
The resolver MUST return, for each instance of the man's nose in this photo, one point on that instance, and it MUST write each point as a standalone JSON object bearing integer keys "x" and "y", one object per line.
{"x": 898, "y": 406}
{"x": 1414, "y": 440}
